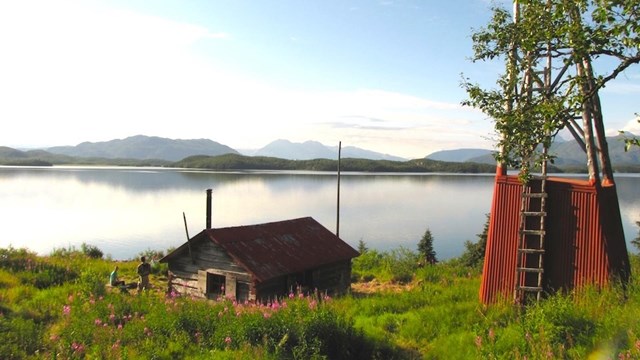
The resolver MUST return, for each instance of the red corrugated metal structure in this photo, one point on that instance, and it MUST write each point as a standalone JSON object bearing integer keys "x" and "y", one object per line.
{"x": 584, "y": 238}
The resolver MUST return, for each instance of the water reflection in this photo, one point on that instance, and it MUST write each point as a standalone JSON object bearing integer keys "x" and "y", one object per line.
{"x": 124, "y": 211}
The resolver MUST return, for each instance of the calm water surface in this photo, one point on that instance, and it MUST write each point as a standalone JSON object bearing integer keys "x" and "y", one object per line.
{"x": 124, "y": 211}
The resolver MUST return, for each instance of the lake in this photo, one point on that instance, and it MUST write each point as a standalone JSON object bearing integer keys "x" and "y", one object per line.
{"x": 124, "y": 211}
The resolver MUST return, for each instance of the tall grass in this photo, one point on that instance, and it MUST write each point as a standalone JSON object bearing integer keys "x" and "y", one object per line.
{"x": 430, "y": 312}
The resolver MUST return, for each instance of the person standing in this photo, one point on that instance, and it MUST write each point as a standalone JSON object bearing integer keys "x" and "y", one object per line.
{"x": 144, "y": 269}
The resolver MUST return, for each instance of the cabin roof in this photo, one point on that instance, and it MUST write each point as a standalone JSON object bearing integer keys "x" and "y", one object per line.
{"x": 277, "y": 248}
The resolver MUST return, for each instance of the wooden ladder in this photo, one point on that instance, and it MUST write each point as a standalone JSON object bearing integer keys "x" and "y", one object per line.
{"x": 530, "y": 256}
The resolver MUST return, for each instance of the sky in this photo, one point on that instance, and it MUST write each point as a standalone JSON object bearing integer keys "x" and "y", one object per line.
{"x": 379, "y": 75}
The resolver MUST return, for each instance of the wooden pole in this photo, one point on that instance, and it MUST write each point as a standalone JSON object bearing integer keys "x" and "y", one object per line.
{"x": 338, "y": 192}
{"x": 186, "y": 230}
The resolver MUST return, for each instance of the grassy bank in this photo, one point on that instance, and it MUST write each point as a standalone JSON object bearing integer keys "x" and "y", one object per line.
{"x": 58, "y": 307}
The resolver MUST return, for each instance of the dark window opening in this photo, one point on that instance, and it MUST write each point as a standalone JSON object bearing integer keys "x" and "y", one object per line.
{"x": 215, "y": 285}
{"x": 242, "y": 292}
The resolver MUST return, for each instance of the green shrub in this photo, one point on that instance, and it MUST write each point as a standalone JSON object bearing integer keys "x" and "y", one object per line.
{"x": 20, "y": 337}
{"x": 92, "y": 283}
{"x": 91, "y": 251}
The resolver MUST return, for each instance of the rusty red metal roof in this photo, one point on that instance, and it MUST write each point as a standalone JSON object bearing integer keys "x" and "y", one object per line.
{"x": 275, "y": 249}
{"x": 584, "y": 242}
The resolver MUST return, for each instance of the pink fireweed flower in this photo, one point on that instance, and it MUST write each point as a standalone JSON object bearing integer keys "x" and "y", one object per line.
{"x": 119, "y": 326}
{"x": 478, "y": 341}
{"x": 266, "y": 315}
{"x": 66, "y": 310}
{"x": 54, "y": 337}
{"x": 77, "y": 348}
{"x": 112, "y": 317}
{"x": 70, "y": 298}
{"x": 227, "y": 340}
{"x": 312, "y": 304}
{"x": 492, "y": 334}
{"x": 291, "y": 295}
{"x": 98, "y": 322}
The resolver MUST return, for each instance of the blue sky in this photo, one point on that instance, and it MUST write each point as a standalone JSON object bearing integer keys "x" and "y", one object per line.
{"x": 380, "y": 75}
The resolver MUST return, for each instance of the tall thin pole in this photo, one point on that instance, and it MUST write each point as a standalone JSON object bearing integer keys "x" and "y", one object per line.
{"x": 338, "y": 197}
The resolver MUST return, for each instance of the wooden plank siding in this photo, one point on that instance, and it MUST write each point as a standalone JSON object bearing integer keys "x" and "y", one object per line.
{"x": 210, "y": 258}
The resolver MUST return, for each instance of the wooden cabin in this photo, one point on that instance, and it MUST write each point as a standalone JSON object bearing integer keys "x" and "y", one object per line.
{"x": 261, "y": 262}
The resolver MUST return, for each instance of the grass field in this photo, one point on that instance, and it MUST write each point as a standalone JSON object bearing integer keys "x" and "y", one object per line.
{"x": 58, "y": 306}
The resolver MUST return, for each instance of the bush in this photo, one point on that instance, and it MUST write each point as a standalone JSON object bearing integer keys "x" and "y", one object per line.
{"x": 92, "y": 282}
{"x": 91, "y": 251}
{"x": 473, "y": 256}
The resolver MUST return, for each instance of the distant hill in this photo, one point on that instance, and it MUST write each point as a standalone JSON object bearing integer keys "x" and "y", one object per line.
{"x": 570, "y": 156}
{"x": 309, "y": 150}
{"x": 145, "y": 147}
{"x": 10, "y": 156}
{"x": 458, "y": 155}
{"x": 241, "y": 162}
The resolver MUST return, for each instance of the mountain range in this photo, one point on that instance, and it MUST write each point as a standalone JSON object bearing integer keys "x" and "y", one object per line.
{"x": 566, "y": 153}
{"x": 144, "y": 147}
{"x": 153, "y": 147}
{"x": 141, "y": 150}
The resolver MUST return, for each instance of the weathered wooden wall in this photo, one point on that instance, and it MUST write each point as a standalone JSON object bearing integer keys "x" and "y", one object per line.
{"x": 207, "y": 257}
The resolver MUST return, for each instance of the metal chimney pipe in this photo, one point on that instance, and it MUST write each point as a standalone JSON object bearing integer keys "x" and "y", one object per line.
{"x": 208, "y": 209}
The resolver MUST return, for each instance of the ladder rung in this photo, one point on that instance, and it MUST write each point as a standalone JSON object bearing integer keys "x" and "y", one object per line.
{"x": 531, "y": 251}
{"x": 534, "y": 195}
{"x": 532, "y": 232}
{"x": 534, "y": 213}
{"x": 530, "y": 288}
{"x": 539, "y": 177}
{"x": 530, "y": 270}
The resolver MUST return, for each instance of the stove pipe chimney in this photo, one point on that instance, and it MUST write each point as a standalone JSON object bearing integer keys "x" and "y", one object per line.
{"x": 208, "y": 209}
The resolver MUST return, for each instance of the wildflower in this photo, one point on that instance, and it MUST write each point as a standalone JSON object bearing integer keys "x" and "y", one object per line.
{"x": 478, "y": 342}
{"x": 54, "y": 337}
{"x": 291, "y": 295}
{"x": 312, "y": 304}
{"x": 70, "y": 298}
{"x": 227, "y": 340}
{"x": 116, "y": 345}
{"x": 98, "y": 322}
{"x": 637, "y": 345}
{"x": 77, "y": 348}
{"x": 492, "y": 334}
{"x": 119, "y": 326}
{"x": 147, "y": 331}
{"x": 266, "y": 315}
{"x": 66, "y": 310}
{"x": 112, "y": 317}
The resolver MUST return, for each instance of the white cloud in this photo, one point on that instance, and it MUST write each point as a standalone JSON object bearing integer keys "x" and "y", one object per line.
{"x": 72, "y": 72}
{"x": 632, "y": 126}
